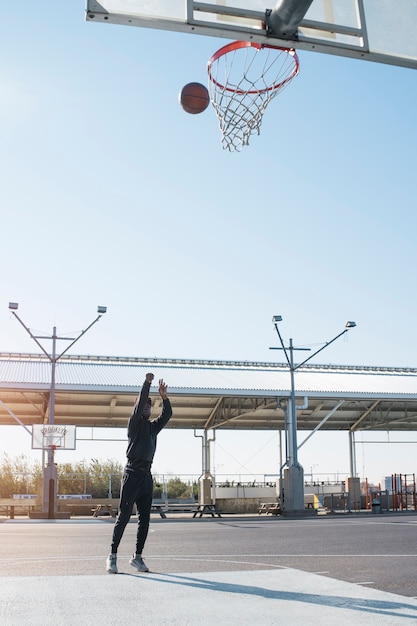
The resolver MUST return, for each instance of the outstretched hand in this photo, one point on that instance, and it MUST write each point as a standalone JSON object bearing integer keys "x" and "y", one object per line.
{"x": 163, "y": 389}
{"x": 149, "y": 378}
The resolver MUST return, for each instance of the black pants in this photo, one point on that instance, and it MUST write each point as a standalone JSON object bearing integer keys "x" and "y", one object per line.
{"x": 137, "y": 488}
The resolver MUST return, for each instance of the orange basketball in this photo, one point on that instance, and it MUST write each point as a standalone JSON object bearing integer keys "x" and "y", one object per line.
{"x": 194, "y": 98}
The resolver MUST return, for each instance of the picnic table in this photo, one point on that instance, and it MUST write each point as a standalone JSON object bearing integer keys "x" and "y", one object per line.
{"x": 273, "y": 508}
{"x": 159, "y": 508}
{"x": 210, "y": 509}
{"x": 198, "y": 510}
{"x": 103, "y": 509}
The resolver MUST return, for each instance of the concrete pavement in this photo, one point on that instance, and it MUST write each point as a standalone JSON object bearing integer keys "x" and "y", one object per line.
{"x": 52, "y": 573}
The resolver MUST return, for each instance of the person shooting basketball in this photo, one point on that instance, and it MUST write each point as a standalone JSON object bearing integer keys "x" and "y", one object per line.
{"x": 137, "y": 482}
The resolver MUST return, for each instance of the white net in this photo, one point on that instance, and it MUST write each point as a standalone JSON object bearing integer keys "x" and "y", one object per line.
{"x": 243, "y": 79}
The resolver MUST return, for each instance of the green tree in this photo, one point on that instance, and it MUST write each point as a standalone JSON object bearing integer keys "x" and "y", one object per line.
{"x": 104, "y": 477}
{"x": 7, "y": 478}
{"x": 157, "y": 489}
{"x": 176, "y": 488}
{"x": 95, "y": 478}
{"x": 18, "y": 475}
{"x": 71, "y": 479}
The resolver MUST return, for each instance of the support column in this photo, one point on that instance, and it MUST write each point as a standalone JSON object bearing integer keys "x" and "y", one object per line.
{"x": 206, "y": 479}
{"x": 294, "y": 473}
{"x": 293, "y": 488}
{"x": 352, "y": 453}
{"x": 292, "y": 492}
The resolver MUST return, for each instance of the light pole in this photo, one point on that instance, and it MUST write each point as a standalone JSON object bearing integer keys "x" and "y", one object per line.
{"x": 311, "y": 474}
{"x": 293, "y": 489}
{"x": 50, "y": 473}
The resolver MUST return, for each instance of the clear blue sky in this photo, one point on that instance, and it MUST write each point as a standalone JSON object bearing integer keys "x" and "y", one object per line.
{"x": 112, "y": 195}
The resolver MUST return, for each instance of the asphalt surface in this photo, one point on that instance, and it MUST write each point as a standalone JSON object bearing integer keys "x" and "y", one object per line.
{"x": 318, "y": 569}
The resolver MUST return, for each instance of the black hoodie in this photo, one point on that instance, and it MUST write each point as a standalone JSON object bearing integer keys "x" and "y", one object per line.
{"x": 142, "y": 433}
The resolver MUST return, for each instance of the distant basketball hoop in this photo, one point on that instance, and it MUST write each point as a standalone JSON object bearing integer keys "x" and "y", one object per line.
{"x": 243, "y": 79}
{"x": 53, "y": 437}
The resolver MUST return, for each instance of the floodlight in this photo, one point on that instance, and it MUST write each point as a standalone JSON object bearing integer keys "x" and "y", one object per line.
{"x": 101, "y": 309}
{"x": 350, "y": 324}
{"x": 13, "y": 306}
{"x": 276, "y": 319}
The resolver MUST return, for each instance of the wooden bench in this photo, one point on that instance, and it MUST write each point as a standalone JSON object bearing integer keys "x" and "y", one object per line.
{"x": 11, "y": 506}
{"x": 80, "y": 508}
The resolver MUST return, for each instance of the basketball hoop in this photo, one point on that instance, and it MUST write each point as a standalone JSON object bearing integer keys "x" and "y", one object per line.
{"x": 52, "y": 441}
{"x": 243, "y": 79}
{"x": 53, "y": 437}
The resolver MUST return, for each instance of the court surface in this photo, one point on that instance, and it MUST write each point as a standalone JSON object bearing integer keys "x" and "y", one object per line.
{"x": 232, "y": 570}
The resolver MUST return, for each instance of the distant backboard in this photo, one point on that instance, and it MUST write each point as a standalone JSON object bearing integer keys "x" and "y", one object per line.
{"x": 383, "y": 31}
{"x": 53, "y": 436}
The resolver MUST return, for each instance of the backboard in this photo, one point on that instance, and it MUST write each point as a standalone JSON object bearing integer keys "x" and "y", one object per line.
{"x": 53, "y": 436}
{"x": 382, "y": 31}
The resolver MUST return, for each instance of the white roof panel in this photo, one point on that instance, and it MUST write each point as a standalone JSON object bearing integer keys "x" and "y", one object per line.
{"x": 207, "y": 394}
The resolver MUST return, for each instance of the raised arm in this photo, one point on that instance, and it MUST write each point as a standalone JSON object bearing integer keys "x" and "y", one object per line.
{"x": 166, "y": 414}
{"x": 143, "y": 395}
{"x": 163, "y": 389}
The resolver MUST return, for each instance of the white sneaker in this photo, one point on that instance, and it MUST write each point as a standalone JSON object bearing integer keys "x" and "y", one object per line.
{"x": 111, "y": 564}
{"x": 138, "y": 562}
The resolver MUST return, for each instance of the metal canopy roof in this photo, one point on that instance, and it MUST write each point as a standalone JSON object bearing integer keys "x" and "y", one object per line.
{"x": 100, "y": 391}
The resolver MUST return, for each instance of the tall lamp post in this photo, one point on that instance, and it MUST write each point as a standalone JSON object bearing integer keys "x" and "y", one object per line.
{"x": 292, "y": 491}
{"x": 50, "y": 472}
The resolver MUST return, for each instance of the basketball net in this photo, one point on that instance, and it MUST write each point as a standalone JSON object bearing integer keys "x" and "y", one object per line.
{"x": 243, "y": 79}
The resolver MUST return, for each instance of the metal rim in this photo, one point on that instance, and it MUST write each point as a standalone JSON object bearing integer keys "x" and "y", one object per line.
{"x": 236, "y": 45}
